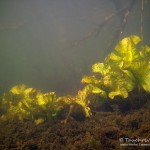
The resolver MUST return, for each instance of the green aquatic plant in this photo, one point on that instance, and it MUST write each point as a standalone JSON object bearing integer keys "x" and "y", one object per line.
{"x": 141, "y": 75}
{"x": 80, "y": 99}
{"x": 23, "y": 103}
{"x": 125, "y": 53}
{"x": 124, "y": 69}
{"x": 132, "y": 62}
{"x": 107, "y": 83}
{"x": 145, "y": 53}
{"x": 28, "y": 103}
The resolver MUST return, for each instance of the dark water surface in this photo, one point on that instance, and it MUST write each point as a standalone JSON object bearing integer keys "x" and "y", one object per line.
{"x": 51, "y": 44}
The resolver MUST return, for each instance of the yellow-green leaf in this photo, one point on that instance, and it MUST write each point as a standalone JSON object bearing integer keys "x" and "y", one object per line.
{"x": 101, "y": 68}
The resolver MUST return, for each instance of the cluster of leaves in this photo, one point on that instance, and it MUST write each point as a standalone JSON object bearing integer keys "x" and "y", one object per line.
{"x": 81, "y": 99}
{"x": 126, "y": 68}
{"x": 28, "y": 103}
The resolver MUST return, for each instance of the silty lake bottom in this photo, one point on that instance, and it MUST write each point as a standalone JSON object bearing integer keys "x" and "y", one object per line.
{"x": 51, "y": 46}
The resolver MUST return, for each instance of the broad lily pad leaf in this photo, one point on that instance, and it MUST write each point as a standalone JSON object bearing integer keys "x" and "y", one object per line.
{"x": 97, "y": 90}
{"x": 90, "y": 79}
{"x": 125, "y": 52}
{"x": 101, "y": 68}
{"x": 28, "y": 91}
{"x": 115, "y": 57}
{"x": 18, "y": 89}
{"x": 145, "y": 53}
{"x": 127, "y": 43}
{"x": 40, "y": 99}
{"x": 129, "y": 80}
{"x": 119, "y": 92}
{"x": 141, "y": 72}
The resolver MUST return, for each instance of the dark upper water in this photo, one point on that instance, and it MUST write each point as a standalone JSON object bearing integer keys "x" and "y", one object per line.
{"x": 51, "y": 44}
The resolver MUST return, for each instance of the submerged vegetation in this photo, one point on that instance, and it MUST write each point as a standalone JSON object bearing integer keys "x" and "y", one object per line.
{"x": 24, "y": 103}
{"x": 125, "y": 70}
{"x": 28, "y": 103}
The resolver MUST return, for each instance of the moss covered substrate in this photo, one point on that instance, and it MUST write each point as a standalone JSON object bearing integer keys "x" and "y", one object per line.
{"x": 102, "y": 131}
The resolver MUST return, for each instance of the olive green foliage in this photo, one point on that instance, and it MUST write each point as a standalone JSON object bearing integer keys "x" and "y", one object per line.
{"x": 126, "y": 68}
{"x": 81, "y": 99}
{"x": 28, "y": 103}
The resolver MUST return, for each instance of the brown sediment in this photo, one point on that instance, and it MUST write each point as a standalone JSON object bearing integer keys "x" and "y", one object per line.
{"x": 102, "y": 131}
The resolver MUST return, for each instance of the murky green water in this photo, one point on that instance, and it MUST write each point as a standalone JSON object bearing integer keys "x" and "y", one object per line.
{"x": 51, "y": 44}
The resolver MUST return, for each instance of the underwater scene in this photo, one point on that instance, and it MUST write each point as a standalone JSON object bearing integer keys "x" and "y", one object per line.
{"x": 75, "y": 75}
